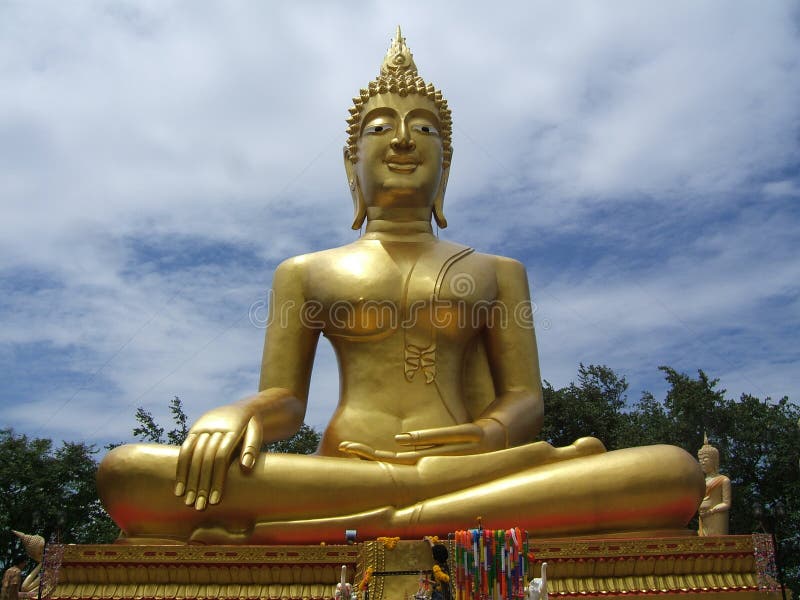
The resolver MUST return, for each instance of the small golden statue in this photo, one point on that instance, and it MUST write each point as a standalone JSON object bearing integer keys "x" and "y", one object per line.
{"x": 440, "y": 400}
{"x": 13, "y": 585}
{"x": 716, "y": 505}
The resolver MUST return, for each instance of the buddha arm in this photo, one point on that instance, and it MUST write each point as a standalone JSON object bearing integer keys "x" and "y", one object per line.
{"x": 724, "y": 505}
{"x": 274, "y": 413}
{"x": 513, "y": 359}
{"x": 289, "y": 348}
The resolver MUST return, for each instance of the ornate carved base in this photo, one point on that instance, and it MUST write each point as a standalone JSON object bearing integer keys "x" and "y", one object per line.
{"x": 730, "y": 567}
{"x": 712, "y": 567}
{"x": 156, "y": 572}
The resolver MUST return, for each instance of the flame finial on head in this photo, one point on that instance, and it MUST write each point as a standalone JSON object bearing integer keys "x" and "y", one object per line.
{"x": 707, "y": 449}
{"x": 398, "y": 57}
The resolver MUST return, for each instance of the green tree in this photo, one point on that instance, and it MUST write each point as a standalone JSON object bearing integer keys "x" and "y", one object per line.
{"x": 759, "y": 452}
{"x": 591, "y": 407}
{"x": 149, "y": 431}
{"x": 305, "y": 441}
{"x": 691, "y": 408}
{"x": 49, "y": 490}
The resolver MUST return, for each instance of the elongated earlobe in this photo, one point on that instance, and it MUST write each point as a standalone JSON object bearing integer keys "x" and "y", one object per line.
{"x": 438, "y": 202}
{"x": 359, "y": 206}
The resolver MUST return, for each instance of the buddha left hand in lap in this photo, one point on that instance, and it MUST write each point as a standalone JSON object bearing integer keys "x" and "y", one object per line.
{"x": 440, "y": 386}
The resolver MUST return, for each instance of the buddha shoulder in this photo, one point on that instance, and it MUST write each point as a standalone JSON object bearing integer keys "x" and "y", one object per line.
{"x": 333, "y": 274}
{"x": 504, "y": 276}
{"x": 503, "y": 266}
{"x": 510, "y": 273}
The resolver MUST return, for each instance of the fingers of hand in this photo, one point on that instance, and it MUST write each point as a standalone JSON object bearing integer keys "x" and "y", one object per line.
{"x": 205, "y": 456}
{"x": 357, "y": 449}
{"x": 252, "y": 443}
{"x": 405, "y": 458}
{"x": 184, "y": 459}
{"x": 221, "y": 462}
{"x": 194, "y": 468}
{"x": 455, "y": 434}
{"x": 207, "y": 469}
{"x": 365, "y": 451}
{"x": 446, "y": 450}
{"x": 382, "y": 455}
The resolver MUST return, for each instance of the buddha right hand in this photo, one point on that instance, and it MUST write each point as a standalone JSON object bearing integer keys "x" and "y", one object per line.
{"x": 205, "y": 456}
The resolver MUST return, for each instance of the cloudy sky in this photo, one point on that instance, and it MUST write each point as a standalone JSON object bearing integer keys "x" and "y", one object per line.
{"x": 158, "y": 159}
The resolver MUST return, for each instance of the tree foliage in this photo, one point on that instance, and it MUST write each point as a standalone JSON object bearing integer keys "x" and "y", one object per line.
{"x": 591, "y": 407}
{"x": 305, "y": 441}
{"x": 48, "y": 490}
{"x": 149, "y": 431}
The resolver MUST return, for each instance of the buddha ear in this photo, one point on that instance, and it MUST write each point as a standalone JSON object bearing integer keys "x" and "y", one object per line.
{"x": 438, "y": 201}
{"x": 359, "y": 206}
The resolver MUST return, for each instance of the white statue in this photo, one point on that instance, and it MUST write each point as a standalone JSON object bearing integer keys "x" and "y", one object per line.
{"x": 537, "y": 588}
{"x": 344, "y": 591}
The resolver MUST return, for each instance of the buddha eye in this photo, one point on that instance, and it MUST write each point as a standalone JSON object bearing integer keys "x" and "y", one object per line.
{"x": 376, "y": 129}
{"x": 428, "y": 129}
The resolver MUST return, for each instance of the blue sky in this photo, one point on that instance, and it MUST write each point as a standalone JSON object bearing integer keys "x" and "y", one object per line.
{"x": 157, "y": 160}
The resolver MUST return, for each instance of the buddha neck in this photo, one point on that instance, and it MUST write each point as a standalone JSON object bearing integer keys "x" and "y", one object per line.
{"x": 399, "y": 225}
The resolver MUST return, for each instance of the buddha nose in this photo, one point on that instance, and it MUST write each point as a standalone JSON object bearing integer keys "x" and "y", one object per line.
{"x": 403, "y": 139}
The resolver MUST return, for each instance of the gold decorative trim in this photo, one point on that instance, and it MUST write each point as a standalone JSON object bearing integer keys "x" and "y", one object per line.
{"x": 105, "y": 554}
{"x": 588, "y": 548}
{"x": 177, "y": 572}
{"x": 372, "y": 554}
{"x": 708, "y": 568}
{"x": 648, "y": 566}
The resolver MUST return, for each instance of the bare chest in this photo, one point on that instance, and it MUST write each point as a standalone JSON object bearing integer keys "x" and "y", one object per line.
{"x": 375, "y": 290}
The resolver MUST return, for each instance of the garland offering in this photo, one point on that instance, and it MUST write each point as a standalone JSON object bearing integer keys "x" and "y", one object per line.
{"x": 388, "y": 542}
{"x": 363, "y": 585}
{"x": 491, "y": 564}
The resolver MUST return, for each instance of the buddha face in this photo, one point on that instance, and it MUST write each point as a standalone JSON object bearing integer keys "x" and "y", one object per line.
{"x": 399, "y": 152}
{"x": 708, "y": 462}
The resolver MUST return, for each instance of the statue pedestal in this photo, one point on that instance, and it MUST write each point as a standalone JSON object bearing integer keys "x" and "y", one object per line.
{"x": 729, "y": 567}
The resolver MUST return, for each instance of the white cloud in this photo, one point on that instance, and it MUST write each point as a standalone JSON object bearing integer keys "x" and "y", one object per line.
{"x": 785, "y": 187}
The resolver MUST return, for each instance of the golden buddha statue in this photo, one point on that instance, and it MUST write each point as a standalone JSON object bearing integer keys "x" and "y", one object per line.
{"x": 440, "y": 398}
{"x": 716, "y": 505}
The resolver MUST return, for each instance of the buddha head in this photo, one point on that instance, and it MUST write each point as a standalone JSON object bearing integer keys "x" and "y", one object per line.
{"x": 398, "y": 148}
{"x": 708, "y": 457}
